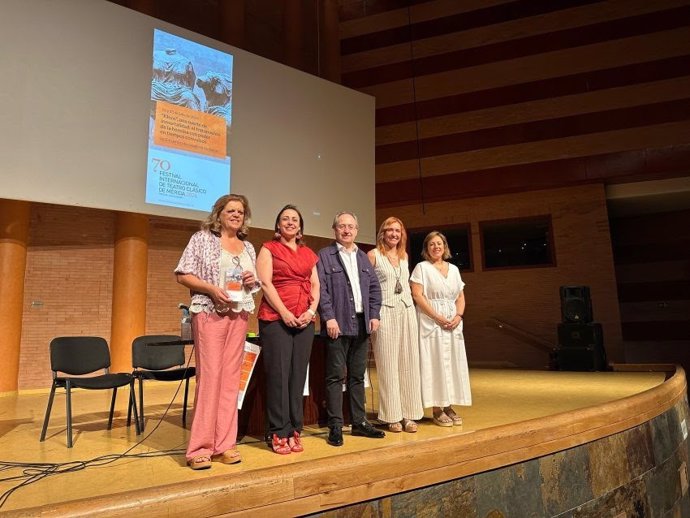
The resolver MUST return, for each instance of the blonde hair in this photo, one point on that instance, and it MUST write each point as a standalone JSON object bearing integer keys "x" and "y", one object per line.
{"x": 401, "y": 247}
{"x": 431, "y": 235}
{"x": 212, "y": 221}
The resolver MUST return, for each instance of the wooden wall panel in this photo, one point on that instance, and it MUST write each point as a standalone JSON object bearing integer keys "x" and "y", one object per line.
{"x": 354, "y": 9}
{"x": 556, "y": 87}
{"x": 529, "y": 298}
{"x": 538, "y": 131}
{"x": 614, "y": 156}
{"x": 446, "y": 21}
{"x": 556, "y": 109}
{"x": 675, "y": 268}
{"x": 546, "y": 24}
{"x": 512, "y": 98}
{"x": 577, "y": 17}
{"x": 664, "y": 227}
{"x": 655, "y": 311}
{"x": 495, "y": 98}
{"x": 652, "y": 255}
{"x": 567, "y": 38}
{"x": 546, "y": 65}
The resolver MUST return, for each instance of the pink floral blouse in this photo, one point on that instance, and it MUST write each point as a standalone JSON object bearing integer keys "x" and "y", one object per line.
{"x": 201, "y": 258}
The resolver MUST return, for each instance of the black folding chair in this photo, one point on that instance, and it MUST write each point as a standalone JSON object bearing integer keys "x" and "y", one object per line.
{"x": 152, "y": 361}
{"x": 76, "y": 356}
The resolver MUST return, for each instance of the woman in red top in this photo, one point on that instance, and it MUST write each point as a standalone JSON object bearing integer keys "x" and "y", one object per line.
{"x": 287, "y": 270}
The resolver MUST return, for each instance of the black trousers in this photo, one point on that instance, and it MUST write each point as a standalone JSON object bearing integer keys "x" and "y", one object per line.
{"x": 346, "y": 357}
{"x": 286, "y": 353}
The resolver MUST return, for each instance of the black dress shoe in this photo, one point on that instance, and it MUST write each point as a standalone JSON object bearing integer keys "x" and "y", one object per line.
{"x": 335, "y": 436}
{"x": 364, "y": 429}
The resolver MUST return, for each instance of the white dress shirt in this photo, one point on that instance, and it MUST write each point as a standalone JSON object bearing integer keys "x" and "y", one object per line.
{"x": 349, "y": 259}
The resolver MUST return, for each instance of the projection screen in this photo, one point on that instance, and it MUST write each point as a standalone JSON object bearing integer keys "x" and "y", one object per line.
{"x": 76, "y": 115}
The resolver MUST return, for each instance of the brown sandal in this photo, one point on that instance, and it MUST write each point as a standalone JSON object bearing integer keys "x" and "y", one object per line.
{"x": 409, "y": 425}
{"x": 457, "y": 420}
{"x": 442, "y": 419}
{"x": 395, "y": 427}
{"x": 227, "y": 457}
{"x": 200, "y": 462}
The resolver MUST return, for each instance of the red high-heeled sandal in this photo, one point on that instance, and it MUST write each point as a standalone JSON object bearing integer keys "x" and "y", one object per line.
{"x": 295, "y": 443}
{"x": 280, "y": 445}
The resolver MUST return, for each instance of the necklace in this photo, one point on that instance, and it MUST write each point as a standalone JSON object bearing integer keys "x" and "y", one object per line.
{"x": 397, "y": 272}
{"x": 398, "y": 287}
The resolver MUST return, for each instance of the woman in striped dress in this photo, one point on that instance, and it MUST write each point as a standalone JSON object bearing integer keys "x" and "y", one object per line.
{"x": 396, "y": 346}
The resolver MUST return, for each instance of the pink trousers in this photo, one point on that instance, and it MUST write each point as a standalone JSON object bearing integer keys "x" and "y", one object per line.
{"x": 218, "y": 347}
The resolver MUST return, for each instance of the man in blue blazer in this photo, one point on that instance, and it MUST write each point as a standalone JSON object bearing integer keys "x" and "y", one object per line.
{"x": 349, "y": 307}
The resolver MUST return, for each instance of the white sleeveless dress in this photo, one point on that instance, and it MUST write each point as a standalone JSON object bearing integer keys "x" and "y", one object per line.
{"x": 443, "y": 360}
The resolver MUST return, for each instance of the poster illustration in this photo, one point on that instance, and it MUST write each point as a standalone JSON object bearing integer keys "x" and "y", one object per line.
{"x": 190, "y": 123}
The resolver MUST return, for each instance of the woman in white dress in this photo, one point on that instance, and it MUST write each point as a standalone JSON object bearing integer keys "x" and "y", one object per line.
{"x": 396, "y": 343}
{"x": 437, "y": 289}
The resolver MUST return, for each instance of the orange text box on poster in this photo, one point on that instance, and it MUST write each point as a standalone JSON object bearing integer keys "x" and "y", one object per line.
{"x": 189, "y": 130}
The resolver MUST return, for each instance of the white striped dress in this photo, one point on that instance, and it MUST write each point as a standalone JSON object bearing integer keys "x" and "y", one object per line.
{"x": 396, "y": 346}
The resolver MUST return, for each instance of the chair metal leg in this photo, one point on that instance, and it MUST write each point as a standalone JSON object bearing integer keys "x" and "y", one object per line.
{"x": 112, "y": 409}
{"x": 48, "y": 409}
{"x": 141, "y": 403}
{"x": 184, "y": 405}
{"x": 68, "y": 406}
{"x": 133, "y": 405}
{"x": 129, "y": 405}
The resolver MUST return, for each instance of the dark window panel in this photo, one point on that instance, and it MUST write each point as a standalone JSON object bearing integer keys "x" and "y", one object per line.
{"x": 517, "y": 243}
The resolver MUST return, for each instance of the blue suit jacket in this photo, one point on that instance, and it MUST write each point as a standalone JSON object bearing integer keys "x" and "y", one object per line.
{"x": 336, "y": 292}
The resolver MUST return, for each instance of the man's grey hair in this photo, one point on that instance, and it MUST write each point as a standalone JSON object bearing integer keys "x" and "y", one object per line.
{"x": 344, "y": 213}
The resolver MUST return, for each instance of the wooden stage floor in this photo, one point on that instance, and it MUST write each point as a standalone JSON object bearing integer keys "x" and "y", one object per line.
{"x": 162, "y": 485}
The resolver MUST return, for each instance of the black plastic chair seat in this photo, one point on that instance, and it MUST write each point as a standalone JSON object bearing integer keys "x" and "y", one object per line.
{"x": 167, "y": 375}
{"x": 153, "y": 361}
{"x": 106, "y": 381}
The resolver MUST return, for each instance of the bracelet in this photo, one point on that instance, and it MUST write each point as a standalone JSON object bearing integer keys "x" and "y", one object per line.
{"x": 311, "y": 312}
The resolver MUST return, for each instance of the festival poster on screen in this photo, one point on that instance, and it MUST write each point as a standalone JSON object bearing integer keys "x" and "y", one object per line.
{"x": 191, "y": 116}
